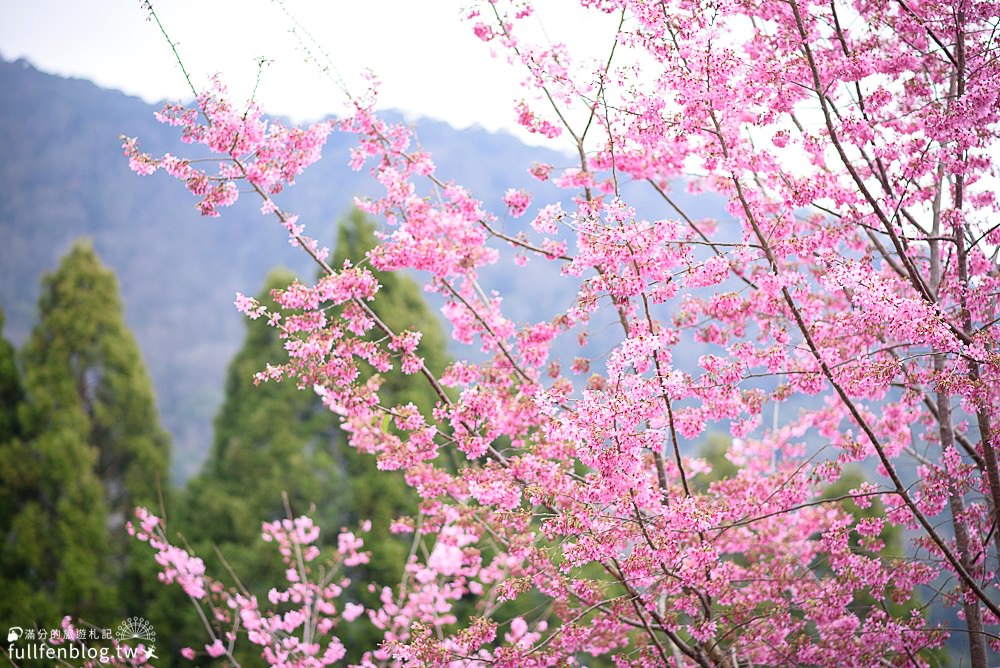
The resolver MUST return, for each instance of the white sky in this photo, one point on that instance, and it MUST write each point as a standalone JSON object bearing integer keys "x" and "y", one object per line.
{"x": 424, "y": 51}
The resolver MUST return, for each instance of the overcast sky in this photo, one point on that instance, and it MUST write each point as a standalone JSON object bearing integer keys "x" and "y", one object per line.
{"x": 424, "y": 51}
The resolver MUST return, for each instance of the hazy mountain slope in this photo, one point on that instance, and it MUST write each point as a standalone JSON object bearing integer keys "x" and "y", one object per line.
{"x": 63, "y": 176}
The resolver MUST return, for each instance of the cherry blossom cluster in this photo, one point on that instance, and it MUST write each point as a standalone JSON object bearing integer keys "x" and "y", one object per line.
{"x": 839, "y": 310}
{"x": 296, "y": 626}
{"x": 249, "y": 147}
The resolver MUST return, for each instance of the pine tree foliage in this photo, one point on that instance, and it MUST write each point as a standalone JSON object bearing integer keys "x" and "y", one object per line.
{"x": 272, "y": 441}
{"x": 89, "y": 450}
{"x": 374, "y": 494}
{"x": 11, "y": 391}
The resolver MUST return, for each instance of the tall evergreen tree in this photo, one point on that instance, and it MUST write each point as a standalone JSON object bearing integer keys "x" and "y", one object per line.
{"x": 11, "y": 391}
{"x": 90, "y": 450}
{"x": 271, "y": 440}
{"x": 382, "y": 496}
{"x": 378, "y": 495}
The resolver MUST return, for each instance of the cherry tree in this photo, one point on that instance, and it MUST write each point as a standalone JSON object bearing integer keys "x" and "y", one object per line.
{"x": 855, "y": 280}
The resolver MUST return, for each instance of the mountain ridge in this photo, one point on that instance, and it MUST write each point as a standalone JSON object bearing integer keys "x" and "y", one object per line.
{"x": 65, "y": 178}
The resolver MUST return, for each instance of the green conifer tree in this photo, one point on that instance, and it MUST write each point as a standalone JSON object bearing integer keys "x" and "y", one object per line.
{"x": 382, "y": 496}
{"x": 273, "y": 439}
{"x": 89, "y": 450}
{"x": 271, "y": 442}
{"x": 11, "y": 391}
{"x": 377, "y": 495}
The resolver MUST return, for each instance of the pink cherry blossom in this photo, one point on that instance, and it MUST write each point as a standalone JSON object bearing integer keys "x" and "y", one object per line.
{"x": 837, "y": 306}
